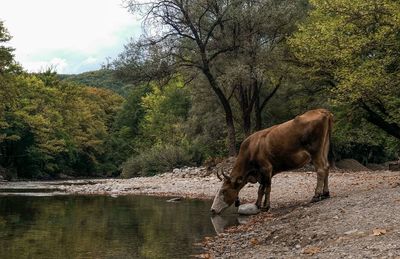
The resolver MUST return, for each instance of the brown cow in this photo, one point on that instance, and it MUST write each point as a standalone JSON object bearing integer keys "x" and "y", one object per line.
{"x": 282, "y": 147}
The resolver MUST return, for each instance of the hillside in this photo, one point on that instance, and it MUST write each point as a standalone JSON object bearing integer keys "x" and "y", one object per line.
{"x": 102, "y": 78}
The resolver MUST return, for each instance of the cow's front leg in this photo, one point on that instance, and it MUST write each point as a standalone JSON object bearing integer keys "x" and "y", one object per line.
{"x": 267, "y": 202}
{"x": 261, "y": 192}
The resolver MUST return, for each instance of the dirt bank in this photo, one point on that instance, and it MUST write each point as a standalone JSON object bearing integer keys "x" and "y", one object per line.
{"x": 360, "y": 220}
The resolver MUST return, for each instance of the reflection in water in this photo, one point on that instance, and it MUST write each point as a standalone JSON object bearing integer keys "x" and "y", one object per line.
{"x": 103, "y": 227}
{"x": 222, "y": 222}
{"x": 229, "y": 218}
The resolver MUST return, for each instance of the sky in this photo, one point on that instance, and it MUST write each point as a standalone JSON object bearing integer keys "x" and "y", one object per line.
{"x": 74, "y": 36}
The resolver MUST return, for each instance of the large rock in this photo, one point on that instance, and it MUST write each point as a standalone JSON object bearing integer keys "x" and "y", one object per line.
{"x": 248, "y": 209}
{"x": 394, "y": 166}
{"x": 3, "y": 174}
{"x": 351, "y": 165}
{"x": 377, "y": 167}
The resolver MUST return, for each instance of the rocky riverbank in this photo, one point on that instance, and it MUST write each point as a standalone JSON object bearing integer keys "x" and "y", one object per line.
{"x": 360, "y": 220}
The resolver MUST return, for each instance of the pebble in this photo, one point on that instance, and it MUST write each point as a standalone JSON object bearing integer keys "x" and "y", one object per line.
{"x": 176, "y": 199}
{"x": 351, "y": 232}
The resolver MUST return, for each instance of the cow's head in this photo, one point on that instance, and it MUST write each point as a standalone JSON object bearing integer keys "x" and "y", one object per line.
{"x": 228, "y": 193}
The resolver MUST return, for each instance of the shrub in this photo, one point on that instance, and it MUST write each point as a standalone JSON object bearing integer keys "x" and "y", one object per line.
{"x": 157, "y": 159}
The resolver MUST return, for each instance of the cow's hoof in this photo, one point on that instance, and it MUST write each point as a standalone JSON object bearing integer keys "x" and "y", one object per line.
{"x": 320, "y": 197}
{"x": 316, "y": 199}
{"x": 326, "y": 195}
{"x": 265, "y": 209}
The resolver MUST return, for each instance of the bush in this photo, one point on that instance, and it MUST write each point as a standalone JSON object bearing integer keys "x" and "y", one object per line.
{"x": 157, "y": 159}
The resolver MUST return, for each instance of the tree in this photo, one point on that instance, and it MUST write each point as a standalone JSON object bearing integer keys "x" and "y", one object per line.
{"x": 7, "y": 62}
{"x": 51, "y": 127}
{"x": 192, "y": 33}
{"x": 8, "y": 70}
{"x": 353, "y": 47}
{"x": 161, "y": 142}
{"x": 234, "y": 45}
{"x": 166, "y": 110}
{"x": 257, "y": 69}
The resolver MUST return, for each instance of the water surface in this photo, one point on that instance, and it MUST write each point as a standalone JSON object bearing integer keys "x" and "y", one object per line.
{"x": 102, "y": 226}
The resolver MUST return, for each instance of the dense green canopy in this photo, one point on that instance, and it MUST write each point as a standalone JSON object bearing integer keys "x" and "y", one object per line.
{"x": 354, "y": 46}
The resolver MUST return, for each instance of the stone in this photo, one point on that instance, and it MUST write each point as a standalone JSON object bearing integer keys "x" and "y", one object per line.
{"x": 394, "y": 166}
{"x": 248, "y": 209}
{"x": 175, "y": 199}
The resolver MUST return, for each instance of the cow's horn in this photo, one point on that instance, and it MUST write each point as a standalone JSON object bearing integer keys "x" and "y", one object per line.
{"x": 219, "y": 177}
{"x": 226, "y": 177}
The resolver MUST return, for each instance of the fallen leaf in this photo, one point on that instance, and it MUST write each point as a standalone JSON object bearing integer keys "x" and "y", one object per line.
{"x": 378, "y": 231}
{"x": 207, "y": 238}
{"x": 254, "y": 241}
{"x": 311, "y": 250}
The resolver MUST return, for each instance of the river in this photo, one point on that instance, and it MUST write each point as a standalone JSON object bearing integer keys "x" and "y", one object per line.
{"x": 38, "y": 224}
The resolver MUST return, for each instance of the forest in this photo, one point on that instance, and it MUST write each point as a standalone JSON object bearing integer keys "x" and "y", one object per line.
{"x": 203, "y": 76}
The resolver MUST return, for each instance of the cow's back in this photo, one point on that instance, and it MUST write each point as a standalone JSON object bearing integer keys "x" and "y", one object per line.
{"x": 278, "y": 144}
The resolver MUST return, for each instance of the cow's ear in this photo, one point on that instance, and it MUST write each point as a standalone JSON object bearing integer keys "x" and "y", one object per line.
{"x": 239, "y": 181}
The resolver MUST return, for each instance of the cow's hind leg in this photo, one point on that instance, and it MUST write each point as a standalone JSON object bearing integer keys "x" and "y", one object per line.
{"x": 322, "y": 189}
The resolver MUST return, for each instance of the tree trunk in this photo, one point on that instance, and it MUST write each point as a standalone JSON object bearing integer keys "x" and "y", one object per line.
{"x": 245, "y": 100}
{"x": 392, "y": 129}
{"x": 231, "y": 134}
{"x": 257, "y": 111}
{"x": 228, "y": 111}
{"x": 246, "y": 123}
{"x": 259, "y": 107}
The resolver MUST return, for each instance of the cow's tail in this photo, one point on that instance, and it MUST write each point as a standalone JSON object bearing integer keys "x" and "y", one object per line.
{"x": 331, "y": 153}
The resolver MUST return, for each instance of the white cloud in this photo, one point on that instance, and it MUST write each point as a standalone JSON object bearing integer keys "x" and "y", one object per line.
{"x": 90, "y": 60}
{"x": 49, "y": 27}
{"x": 58, "y": 64}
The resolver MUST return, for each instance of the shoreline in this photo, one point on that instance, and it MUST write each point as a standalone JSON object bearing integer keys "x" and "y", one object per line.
{"x": 341, "y": 226}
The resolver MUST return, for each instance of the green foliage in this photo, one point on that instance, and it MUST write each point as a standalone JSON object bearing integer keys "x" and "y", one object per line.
{"x": 155, "y": 160}
{"x": 171, "y": 126}
{"x": 50, "y": 127}
{"x": 161, "y": 138}
{"x": 125, "y": 133}
{"x": 205, "y": 126}
{"x": 7, "y": 63}
{"x": 103, "y": 78}
{"x": 347, "y": 60}
{"x": 354, "y": 137}
{"x": 354, "y": 45}
{"x": 166, "y": 109}
{"x": 353, "y": 48}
